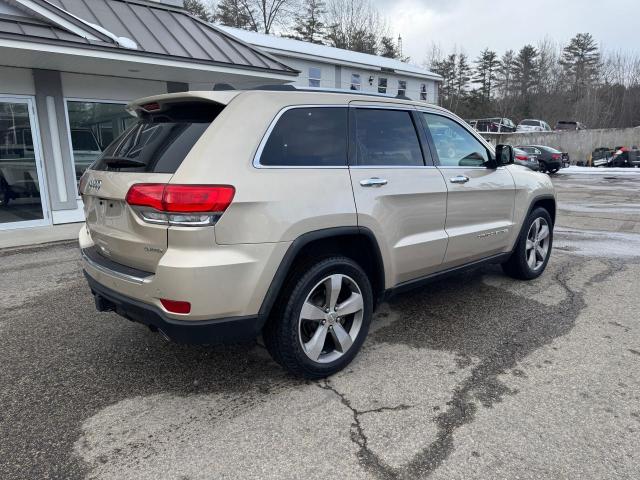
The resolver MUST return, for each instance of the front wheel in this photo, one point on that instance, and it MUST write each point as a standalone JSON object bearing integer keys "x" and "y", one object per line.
{"x": 322, "y": 318}
{"x": 533, "y": 249}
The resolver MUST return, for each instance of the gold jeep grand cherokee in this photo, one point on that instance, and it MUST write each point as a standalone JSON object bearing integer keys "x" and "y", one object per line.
{"x": 220, "y": 216}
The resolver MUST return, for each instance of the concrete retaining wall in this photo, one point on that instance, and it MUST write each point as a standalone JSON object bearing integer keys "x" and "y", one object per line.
{"x": 579, "y": 144}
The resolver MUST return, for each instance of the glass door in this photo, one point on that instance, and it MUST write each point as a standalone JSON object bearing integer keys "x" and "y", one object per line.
{"x": 22, "y": 188}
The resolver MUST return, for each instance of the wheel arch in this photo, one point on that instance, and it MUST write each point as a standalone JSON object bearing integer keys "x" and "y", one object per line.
{"x": 357, "y": 243}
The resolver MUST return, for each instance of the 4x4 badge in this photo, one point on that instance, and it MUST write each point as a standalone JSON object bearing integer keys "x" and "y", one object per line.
{"x": 95, "y": 184}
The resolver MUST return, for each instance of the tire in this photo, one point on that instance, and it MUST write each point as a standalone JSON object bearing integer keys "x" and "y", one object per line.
{"x": 543, "y": 167}
{"x": 520, "y": 264}
{"x": 294, "y": 341}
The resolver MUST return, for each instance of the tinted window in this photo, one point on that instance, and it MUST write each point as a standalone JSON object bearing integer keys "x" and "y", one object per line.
{"x": 386, "y": 138}
{"x": 456, "y": 147}
{"x": 530, "y": 123}
{"x": 160, "y": 141}
{"x": 305, "y": 137}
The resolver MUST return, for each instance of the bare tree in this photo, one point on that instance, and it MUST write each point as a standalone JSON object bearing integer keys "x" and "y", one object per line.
{"x": 355, "y": 25}
{"x": 264, "y": 15}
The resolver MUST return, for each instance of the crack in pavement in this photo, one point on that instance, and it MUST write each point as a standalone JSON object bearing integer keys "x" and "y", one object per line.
{"x": 533, "y": 330}
{"x": 358, "y": 436}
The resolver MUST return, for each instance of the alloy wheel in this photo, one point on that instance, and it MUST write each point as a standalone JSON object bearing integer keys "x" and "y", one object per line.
{"x": 537, "y": 247}
{"x": 331, "y": 318}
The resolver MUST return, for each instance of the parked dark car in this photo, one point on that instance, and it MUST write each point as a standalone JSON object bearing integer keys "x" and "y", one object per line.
{"x": 623, "y": 157}
{"x": 527, "y": 159}
{"x": 550, "y": 159}
{"x": 570, "y": 125}
{"x": 495, "y": 125}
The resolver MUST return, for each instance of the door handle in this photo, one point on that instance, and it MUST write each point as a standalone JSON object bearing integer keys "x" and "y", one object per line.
{"x": 459, "y": 179}
{"x": 373, "y": 182}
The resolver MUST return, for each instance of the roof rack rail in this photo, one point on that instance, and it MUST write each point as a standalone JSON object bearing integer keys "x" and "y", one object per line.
{"x": 294, "y": 88}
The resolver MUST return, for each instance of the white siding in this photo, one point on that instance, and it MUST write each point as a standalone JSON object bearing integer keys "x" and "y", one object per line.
{"x": 98, "y": 87}
{"x": 329, "y": 73}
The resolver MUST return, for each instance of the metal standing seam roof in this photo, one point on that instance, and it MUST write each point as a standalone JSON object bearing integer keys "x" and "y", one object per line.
{"x": 289, "y": 46}
{"x": 157, "y": 29}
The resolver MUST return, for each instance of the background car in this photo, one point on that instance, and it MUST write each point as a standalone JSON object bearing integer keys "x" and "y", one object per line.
{"x": 495, "y": 125}
{"x": 526, "y": 158}
{"x": 550, "y": 159}
{"x": 570, "y": 125}
{"x": 533, "y": 126}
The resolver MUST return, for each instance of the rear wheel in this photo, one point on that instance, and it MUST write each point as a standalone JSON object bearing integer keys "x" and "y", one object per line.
{"x": 543, "y": 167}
{"x": 532, "y": 252}
{"x": 321, "y": 319}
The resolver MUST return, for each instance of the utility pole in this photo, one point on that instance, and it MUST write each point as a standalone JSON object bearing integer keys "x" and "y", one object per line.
{"x": 400, "y": 45}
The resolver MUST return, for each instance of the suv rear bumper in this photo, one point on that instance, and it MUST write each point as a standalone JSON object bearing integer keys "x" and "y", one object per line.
{"x": 221, "y": 330}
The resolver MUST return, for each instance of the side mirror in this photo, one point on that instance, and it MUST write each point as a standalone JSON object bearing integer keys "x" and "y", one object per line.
{"x": 504, "y": 155}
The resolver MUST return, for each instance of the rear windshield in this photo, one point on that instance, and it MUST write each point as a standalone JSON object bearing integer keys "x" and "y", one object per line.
{"x": 530, "y": 123}
{"x": 159, "y": 142}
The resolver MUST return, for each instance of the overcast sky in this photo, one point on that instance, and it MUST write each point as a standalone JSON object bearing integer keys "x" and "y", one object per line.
{"x": 471, "y": 25}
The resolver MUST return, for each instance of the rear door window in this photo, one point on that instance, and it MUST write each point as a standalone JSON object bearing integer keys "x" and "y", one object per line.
{"x": 386, "y": 137}
{"x": 308, "y": 137}
{"x": 158, "y": 142}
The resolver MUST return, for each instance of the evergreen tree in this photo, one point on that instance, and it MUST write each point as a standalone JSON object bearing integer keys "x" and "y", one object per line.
{"x": 463, "y": 75}
{"x": 233, "y": 13}
{"x": 506, "y": 69}
{"x": 486, "y": 72}
{"x": 197, "y": 9}
{"x": 525, "y": 70}
{"x": 581, "y": 61}
{"x": 388, "y": 48}
{"x": 309, "y": 25}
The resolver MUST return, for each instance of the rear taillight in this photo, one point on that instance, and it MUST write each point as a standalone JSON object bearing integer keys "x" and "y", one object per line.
{"x": 522, "y": 157}
{"x": 556, "y": 156}
{"x": 188, "y": 205}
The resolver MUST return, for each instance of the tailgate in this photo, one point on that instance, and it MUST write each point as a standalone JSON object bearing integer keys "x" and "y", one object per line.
{"x": 118, "y": 232}
{"x": 149, "y": 152}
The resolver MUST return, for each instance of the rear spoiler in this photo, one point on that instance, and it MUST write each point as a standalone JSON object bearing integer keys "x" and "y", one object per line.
{"x": 156, "y": 102}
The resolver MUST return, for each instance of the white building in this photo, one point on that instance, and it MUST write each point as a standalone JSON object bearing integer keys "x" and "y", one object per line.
{"x": 69, "y": 67}
{"x": 328, "y": 67}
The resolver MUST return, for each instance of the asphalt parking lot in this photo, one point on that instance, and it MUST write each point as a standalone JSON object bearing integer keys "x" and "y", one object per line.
{"x": 475, "y": 377}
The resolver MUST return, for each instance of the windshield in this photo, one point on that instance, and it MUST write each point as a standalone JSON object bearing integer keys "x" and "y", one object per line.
{"x": 530, "y": 123}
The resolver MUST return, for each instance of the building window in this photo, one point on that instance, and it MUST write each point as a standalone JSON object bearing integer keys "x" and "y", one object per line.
{"x": 382, "y": 85}
{"x": 355, "y": 81}
{"x": 423, "y": 92}
{"x": 402, "y": 88}
{"x": 93, "y": 126}
{"x": 315, "y": 75}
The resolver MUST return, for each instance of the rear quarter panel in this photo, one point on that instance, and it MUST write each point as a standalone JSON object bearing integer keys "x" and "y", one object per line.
{"x": 270, "y": 204}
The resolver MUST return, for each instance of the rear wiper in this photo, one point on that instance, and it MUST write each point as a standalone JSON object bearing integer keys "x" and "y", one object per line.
{"x": 122, "y": 162}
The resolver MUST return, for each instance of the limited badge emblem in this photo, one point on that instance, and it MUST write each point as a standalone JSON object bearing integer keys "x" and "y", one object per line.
{"x": 94, "y": 184}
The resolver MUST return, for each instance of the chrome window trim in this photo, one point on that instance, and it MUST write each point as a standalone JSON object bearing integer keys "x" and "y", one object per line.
{"x": 113, "y": 273}
{"x": 265, "y": 138}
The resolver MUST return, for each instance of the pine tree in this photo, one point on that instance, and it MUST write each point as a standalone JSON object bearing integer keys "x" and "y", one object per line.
{"x": 233, "y": 13}
{"x": 309, "y": 25}
{"x": 581, "y": 61}
{"x": 506, "y": 68}
{"x": 463, "y": 75}
{"x": 525, "y": 70}
{"x": 197, "y": 9}
{"x": 486, "y": 72}
{"x": 388, "y": 48}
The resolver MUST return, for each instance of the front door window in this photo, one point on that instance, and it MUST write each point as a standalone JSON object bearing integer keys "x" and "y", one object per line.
{"x": 20, "y": 177}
